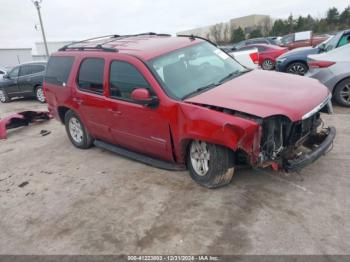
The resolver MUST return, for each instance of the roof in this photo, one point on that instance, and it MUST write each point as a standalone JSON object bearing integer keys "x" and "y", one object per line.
{"x": 143, "y": 46}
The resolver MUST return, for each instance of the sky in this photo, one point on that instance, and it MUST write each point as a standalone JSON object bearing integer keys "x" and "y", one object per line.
{"x": 79, "y": 19}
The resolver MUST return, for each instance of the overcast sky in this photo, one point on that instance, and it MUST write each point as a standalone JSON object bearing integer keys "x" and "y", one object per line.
{"x": 77, "y": 19}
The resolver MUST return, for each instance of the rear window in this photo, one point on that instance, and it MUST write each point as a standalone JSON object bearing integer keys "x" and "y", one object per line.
{"x": 58, "y": 69}
{"x": 91, "y": 75}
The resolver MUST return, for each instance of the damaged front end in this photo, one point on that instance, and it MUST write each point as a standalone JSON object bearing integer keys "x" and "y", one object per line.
{"x": 21, "y": 119}
{"x": 294, "y": 145}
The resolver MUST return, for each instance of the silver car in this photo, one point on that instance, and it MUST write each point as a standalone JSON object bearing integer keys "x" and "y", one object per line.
{"x": 333, "y": 70}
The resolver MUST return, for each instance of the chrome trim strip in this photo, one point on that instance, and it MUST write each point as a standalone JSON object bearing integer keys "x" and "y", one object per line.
{"x": 317, "y": 108}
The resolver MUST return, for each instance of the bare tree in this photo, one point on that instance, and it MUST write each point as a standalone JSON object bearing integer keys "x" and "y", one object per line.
{"x": 216, "y": 32}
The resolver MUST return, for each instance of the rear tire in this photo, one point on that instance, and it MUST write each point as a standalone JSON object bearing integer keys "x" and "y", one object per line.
{"x": 268, "y": 64}
{"x": 297, "y": 68}
{"x": 342, "y": 93}
{"x": 4, "y": 98}
{"x": 76, "y": 131}
{"x": 39, "y": 94}
{"x": 210, "y": 165}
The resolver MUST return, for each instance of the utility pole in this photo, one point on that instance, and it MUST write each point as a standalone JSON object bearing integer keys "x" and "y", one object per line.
{"x": 37, "y": 5}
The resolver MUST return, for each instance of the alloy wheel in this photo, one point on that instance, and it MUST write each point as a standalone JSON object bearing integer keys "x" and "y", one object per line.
{"x": 2, "y": 96}
{"x": 345, "y": 93}
{"x": 76, "y": 130}
{"x": 297, "y": 69}
{"x": 268, "y": 64}
{"x": 40, "y": 94}
{"x": 200, "y": 157}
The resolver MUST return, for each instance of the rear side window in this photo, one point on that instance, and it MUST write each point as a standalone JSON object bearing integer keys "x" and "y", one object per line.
{"x": 91, "y": 75}
{"x": 58, "y": 70}
{"x": 124, "y": 78}
{"x": 34, "y": 69}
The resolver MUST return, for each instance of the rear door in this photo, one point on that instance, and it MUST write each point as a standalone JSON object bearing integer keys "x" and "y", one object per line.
{"x": 89, "y": 96}
{"x": 29, "y": 76}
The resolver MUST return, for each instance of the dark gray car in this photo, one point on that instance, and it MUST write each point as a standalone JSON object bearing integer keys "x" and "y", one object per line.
{"x": 24, "y": 80}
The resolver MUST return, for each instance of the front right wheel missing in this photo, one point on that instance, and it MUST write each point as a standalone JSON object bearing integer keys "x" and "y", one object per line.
{"x": 210, "y": 165}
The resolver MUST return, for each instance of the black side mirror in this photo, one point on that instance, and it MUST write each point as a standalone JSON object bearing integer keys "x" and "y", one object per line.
{"x": 6, "y": 76}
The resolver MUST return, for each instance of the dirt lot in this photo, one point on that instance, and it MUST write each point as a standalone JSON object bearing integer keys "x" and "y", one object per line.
{"x": 95, "y": 202}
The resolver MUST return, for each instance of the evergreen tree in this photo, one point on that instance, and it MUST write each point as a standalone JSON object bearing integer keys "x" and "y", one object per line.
{"x": 238, "y": 35}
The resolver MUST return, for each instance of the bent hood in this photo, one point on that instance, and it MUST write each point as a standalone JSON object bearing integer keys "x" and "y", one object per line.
{"x": 263, "y": 94}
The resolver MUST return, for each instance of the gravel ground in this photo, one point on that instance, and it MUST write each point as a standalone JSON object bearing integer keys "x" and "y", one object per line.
{"x": 56, "y": 199}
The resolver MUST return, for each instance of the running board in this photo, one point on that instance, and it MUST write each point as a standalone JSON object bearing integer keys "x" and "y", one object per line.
{"x": 139, "y": 157}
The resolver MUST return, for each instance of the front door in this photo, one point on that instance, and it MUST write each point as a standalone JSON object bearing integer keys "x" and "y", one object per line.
{"x": 11, "y": 82}
{"x": 134, "y": 126}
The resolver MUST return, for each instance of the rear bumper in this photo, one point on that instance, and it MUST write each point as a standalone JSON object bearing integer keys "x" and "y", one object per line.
{"x": 296, "y": 164}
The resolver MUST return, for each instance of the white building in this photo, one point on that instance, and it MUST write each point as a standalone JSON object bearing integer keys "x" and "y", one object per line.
{"x": 53, "y": 46}
{"x": 10, "y": 57}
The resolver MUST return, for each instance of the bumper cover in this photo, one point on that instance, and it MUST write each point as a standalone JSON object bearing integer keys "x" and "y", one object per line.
{"x": 302, "y": 161}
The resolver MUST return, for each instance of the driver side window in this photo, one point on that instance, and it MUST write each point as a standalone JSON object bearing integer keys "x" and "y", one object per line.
{"x": 14, "y": 72}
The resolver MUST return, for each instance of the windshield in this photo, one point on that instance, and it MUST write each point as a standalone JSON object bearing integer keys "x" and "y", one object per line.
{"x": 331, "y": 43}
{"x": 193, "y": 69}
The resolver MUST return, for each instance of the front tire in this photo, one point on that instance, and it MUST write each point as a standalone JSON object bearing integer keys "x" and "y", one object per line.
{"x": 39, "y": 94}
{"x": 210, "y": 165}
{"x": 342, "y": 93}
{"x": 76, "y": 131}
{"x": 297, "y": 68}
{"x": 4, "y": 98}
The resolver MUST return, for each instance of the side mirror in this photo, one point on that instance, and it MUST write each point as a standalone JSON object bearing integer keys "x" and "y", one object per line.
{"x": 142, "y": 96}
{"x": 6, "y": 76}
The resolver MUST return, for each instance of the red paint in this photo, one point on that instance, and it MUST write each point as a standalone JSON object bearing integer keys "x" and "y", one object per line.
{"x": 165, "y": 130}
{"x": 141, "y": 94}
{"x": 320, "y": 64}
{"x": 270, "y": 52}
{"x": 21, "y": 119}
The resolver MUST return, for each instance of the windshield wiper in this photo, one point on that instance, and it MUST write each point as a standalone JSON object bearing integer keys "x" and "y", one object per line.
{"x": 200, "y": 90}
{"x": 229, "y": 76}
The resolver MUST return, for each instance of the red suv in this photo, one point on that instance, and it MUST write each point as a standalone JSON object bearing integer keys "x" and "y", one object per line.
{"x": 177, "y": 102}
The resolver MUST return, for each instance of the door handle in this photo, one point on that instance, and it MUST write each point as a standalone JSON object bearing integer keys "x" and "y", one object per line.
{"x": 114, "y": 111}
{"x": 77, "y": 100}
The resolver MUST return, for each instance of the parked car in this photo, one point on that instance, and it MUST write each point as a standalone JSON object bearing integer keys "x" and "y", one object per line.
{"x": 24, "y": 80}
{"x": 2, "y": 72}
{"x": 333, "y": 70}
{"x": 302, "y": 39}
{"x": 177, "y": 102}
{"x": 253, "y": 41}
{"x": 248, "y": 58}
{"x": 295, "y": 61}
{"x": 267, "y": 54}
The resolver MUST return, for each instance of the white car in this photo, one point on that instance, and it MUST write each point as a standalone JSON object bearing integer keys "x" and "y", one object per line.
{"x": 248, "y": 58}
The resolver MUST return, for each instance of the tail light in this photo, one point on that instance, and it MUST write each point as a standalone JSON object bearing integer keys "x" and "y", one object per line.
{"x": 255, "y": 57}
{"x": 320, "y": 64}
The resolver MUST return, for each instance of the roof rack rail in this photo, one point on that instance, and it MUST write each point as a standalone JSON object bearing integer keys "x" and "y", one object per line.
{"x": 110, "y": 38}
{"x": 193, "y": 37}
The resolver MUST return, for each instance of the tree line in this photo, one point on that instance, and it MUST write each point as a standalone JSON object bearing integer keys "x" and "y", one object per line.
{"x": 332, "y": 22}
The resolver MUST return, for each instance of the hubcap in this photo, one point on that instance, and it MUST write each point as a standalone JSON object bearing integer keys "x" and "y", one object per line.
{"x": 2, "y": 96}
{"x": 345, "y": 93}
{"x": 268, "y": 65}
{"x": 76, "y": 130}
{"x": 297, "y": 69}
{"x": 200, "y": 157}
{"x": 40, "y": 94}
